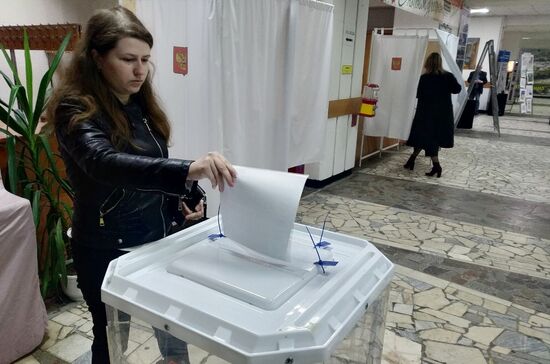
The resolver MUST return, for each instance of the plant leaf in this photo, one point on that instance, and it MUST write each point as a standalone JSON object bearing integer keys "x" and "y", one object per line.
{"x": 28, "y": 68}
{"x": 62, "y": 182}
{"x": 10, "y": 64}
{"x": 36, "y": 207}
{"x": 54, "y": 170}
{"x": 59, "y": 244}
{"x": 11, "y": 122}
{"x": 45, "y": 286}
{"x": 21, "y": 95}
{"x": 27, "y": 191}
{"x": 18, "y": 113}
{"x": 46, "y": 79}
{"x": 68, "y": 209}
{"x": 47, "y": 148}
{"x": 12, "y": 164}
{"x": 13, "y": 96}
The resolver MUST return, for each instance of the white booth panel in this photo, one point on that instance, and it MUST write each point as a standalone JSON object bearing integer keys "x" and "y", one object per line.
{"x": 337, "y": 39}
{"x": 340, "y": 146}
{"x": 351, "y": 145}
{"x": 323, "y": 170}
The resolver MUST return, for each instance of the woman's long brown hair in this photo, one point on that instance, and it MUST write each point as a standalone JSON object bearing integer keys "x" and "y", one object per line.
{"x": 434, "y": 64}
{"x": 83, "y": 83}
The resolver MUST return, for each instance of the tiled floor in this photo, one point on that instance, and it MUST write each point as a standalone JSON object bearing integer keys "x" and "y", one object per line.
{"x": 472, "y": 250}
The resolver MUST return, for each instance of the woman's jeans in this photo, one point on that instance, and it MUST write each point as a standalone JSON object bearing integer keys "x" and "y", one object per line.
{"x": 91, "y": 266}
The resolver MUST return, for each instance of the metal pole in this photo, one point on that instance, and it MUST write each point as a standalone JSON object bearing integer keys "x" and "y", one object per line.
{"x": 494, "y": 76}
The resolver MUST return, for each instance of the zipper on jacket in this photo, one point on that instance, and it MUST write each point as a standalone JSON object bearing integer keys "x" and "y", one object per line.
{"x": 162, "y": 195}
{"x": 103, "y": 213}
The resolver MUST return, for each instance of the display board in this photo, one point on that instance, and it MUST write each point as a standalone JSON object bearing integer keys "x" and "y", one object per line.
{"x": 526, "y": 82}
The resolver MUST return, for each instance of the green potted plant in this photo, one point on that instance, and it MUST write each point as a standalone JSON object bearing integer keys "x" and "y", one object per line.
{"x": 33, "y": 171}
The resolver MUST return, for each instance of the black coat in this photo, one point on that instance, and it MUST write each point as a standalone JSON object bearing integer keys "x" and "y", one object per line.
{"x": 433, "y": 123}
{"x": 478, "y": 86}
{"x": 123, "y": 197}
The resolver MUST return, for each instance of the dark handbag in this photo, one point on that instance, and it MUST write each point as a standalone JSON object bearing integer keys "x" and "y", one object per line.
{"x": 194, "y": 196}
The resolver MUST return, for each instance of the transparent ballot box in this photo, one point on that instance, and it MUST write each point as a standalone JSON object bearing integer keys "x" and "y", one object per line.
{"x": 242, "y": 307}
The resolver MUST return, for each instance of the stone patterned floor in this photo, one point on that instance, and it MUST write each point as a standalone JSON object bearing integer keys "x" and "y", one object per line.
{"x": 472, "y": 253}
{"x": 434, "y": 321}
{"x": 429, "y": 234}
{"x": 509, "y": 125}
{"x": 476, "y": 165}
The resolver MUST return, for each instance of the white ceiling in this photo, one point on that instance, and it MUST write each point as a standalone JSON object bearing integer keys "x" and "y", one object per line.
{"x": 528, "y": 17}
{"x": 498, "y": 7}
{"x": 511, "y": 7}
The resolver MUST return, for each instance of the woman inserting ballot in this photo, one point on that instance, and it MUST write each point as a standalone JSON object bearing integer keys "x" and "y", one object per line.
{"x": 113, "y": 138}
{"x": 433, "y": 123}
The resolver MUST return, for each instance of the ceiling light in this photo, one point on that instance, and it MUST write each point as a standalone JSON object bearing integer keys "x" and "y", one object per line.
{"x": 479, "y": 11}
{"x": 526, "y": 38}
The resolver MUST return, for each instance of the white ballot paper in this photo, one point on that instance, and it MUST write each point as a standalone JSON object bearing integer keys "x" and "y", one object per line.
{"x": 259, "y": 211}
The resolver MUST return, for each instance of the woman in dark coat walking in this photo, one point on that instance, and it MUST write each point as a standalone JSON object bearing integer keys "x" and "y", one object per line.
{"x": 433, "y": 124}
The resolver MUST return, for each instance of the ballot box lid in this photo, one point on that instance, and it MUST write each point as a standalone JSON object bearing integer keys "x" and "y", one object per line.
{"x": 242, "y": 306}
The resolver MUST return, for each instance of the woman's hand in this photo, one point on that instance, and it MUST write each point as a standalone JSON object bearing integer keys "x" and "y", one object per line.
{"x": 193, "y": 215}
{"x": 214, "y": 167}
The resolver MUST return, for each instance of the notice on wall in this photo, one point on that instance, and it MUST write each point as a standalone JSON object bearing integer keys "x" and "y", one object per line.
{"x": 521, "y": 95}
{"x": 526, "y": 82}
{"x": 396, "y": 63}
{"x": 180, "y": 60}
{"x": 522, "y": 82}
{"x": 446, "y": 12}
{"x": 529, "y": 91}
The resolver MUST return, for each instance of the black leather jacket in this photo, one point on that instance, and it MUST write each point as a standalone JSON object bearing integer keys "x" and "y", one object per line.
{"x": 124, "y": 197}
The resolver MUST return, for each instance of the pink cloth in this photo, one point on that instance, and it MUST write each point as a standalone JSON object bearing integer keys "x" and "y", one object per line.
{"x": 23, "y": 317}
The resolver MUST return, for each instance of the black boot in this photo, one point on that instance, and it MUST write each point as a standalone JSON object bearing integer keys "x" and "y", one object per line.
{"x": 410, "y": 163}
{"x": 436, "y": 169}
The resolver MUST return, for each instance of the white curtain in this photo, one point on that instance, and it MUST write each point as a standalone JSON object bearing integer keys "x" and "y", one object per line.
{"x": 397, "y": 95}
{"x": 192, "y": 102}
{"x": 448, "y": 44}
{"x": 308, "y": 73}
{"x": 257, "y": 87}
{"x": 275, "y": 57}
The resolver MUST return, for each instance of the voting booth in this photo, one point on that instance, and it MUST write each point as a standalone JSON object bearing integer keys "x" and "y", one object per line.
{"x": 218, "y": 284}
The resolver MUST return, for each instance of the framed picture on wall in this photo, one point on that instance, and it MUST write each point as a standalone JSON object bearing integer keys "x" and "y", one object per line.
{"x": 522, "y": 95}
{"x": 530, "y": 78}
{"x": 470, "y": 54}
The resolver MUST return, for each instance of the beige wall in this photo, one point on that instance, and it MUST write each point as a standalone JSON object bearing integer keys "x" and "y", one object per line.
{"x": 34, "y": 12}
{"x": 22, "y": 12}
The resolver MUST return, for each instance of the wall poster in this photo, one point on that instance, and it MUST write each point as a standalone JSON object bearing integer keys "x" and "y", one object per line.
{"x": 446, "y": 12}
{"x": 526, "y": 82}
{"x": 541, "y": 71}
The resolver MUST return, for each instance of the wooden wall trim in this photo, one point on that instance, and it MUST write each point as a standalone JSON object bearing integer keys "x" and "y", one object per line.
{"x": 344, "y": 107}
{"x": 41, "y": 37}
